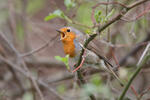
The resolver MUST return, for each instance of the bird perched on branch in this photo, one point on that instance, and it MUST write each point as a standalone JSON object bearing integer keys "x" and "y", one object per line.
{"x": 73, "y": 39}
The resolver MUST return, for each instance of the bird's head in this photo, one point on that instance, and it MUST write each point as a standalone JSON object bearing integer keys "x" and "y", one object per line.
{"x": 66, "y": 34}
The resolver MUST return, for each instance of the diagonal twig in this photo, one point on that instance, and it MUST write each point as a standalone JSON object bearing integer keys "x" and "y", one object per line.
{"x": 139, "y": 67}
{"x": 100, "y": 29}
{"x": 22, "y": 63}
{"x": 143, "y": 54}
{"x": 16, "y": 67}
{"x": 40, "y": 48}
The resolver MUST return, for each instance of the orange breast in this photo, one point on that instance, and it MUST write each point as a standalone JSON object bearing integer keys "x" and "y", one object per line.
{"x": 69, "y": 48}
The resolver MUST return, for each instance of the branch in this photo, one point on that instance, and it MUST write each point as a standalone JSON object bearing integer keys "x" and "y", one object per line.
{"x": 40, "y": 48}
{"x": 100, "y": 29}
{"x": 21, "y": 64}
{"x": 137, "y": 3}
{"x": 142, "y": 56}
{"x": 144, "y": 92}
{"x": 26, "y": 74}
{"x": 138, "y": 47}
{"x": 104, "y": 3}
{"x": 139, "y": 65}
{"x": 138, "y": 16}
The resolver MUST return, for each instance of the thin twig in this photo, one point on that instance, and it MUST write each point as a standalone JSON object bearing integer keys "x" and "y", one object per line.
{"x": 138, "y": 16}
{"x": 100, "y": 29}
{"x": 137, "y": 3}
{"x": 139, "y": 67}
{"x": 118, "y": 66}
{"x": 82, "y": 62}
{"x": 37, "y": 88}
{"x": 108, "y": 3}
{"x": 19, "y": 69}
{"x": 115, "y": 58}
{"x": 40, "y": 48}
{"x": 103, "y": 3}
{"x": 143, "y": 54}
{"x": 21, "y": 63}
{"x": 144, "y": 92}
{"x": 134, "y": 91}
{"x": 137, "y": 47}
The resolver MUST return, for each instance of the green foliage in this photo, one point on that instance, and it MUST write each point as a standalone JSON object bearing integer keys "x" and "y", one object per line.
{"x": 96, "y": 80}
{"x": 102, "y": 90}
{"x": 101, "y": 18}
{"x": 96, "y": 86}
{"x": 65, "y": 60}
{"x": 88, "y": 31}
{"x": 147, "y": 56}
{"x": 98, "y": 17}
{"x": 109, "y": 15}
{"x": 20, "y": 31}
{"x": 61, "y": 88}
{"x": 3, "y": 16}
{"x": 69, "y": 3}
{"x": 28, "y": 96}
{"x": 2, "y": 94}
{"x": 83, "y": 14}
{"x": 34, "y": 6}
{"x": 55, "y": 14}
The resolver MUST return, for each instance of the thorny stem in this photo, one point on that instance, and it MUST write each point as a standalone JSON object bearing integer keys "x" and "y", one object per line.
{"x": 100, "y": 29}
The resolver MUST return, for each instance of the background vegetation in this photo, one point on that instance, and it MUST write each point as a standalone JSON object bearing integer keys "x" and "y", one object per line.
{"x": 31, "y": 66}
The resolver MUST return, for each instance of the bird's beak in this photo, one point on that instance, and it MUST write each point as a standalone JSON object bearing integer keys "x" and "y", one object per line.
{"x": 59, "y": 31}
{"x": 62, "y": 34}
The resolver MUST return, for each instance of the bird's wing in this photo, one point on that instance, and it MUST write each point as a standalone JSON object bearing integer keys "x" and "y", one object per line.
{"x": 97, "y": 47}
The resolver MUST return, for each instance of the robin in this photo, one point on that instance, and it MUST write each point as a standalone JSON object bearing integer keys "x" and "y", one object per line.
{"x": 72, "y": 40}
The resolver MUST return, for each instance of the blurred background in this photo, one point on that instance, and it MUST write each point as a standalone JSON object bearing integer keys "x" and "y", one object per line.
{"x": 27, "y": 25}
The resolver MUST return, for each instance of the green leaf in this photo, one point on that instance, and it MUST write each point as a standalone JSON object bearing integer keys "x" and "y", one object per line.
{"x": 69, "y": 4}
{"x": 65, "y": 60}
{"x": 96, "y": 80}
{"x": 56, "y": 13}
{"x": 88, "y": 31}
{"x": 109, "y": 15}
{"x": 58, "y": 58}
{"x": 97, "y": 16}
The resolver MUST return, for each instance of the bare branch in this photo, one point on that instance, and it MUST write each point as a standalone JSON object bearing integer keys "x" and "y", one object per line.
{"x": 143, "y": 54}
{"x": 21, "y": 63}
{"x": 40, "y": 48}
{"x": 16, "y": 67}
{"x": 139, "y": 67}
{"x": 100, "y": 29}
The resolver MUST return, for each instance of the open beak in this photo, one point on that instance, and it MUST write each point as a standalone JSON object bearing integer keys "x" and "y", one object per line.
{"x": 59, "y": 31}
{"x": 62, "y": 34}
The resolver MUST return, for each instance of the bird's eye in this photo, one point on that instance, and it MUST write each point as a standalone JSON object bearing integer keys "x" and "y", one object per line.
{"x": 68, "y": 30}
